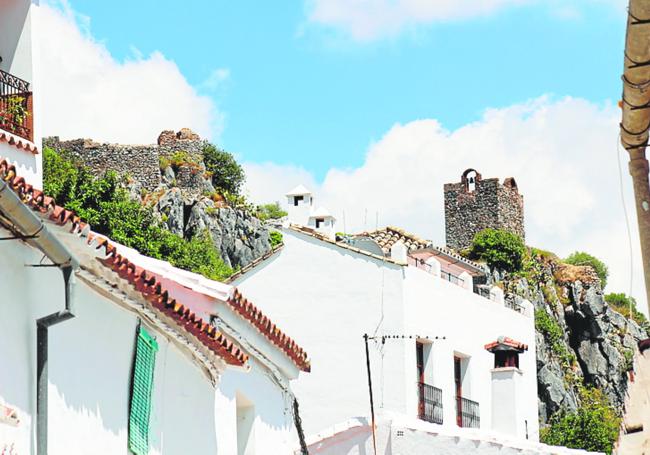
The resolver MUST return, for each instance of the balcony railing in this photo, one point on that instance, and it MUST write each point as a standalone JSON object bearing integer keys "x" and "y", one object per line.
{"x": 467, "y": 413}
{"x": 15, "y": 106}
{"x": 451, "y": 278}
{"x": 430, "y": 403}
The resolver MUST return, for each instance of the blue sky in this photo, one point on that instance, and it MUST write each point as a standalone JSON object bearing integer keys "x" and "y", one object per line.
{"x": 372, "y": 104}
{"x": 309, "y": 94}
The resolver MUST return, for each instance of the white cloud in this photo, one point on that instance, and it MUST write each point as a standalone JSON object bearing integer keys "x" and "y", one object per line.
{"x": 216, "y": 79}
{"x": 561, "y": 152}
{"x": 367, "y": 20}
{"x": 88, "y": 93}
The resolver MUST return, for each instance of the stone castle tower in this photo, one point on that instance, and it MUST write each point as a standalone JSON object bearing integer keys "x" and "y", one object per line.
{"x": 475, "y": 204}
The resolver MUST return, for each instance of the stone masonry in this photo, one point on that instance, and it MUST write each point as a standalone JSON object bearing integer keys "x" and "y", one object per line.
{"x": 475, "y": 204}
{"x": 140, "y": 162}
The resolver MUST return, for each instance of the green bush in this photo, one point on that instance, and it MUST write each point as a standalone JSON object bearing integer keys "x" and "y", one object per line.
{"x": 501, "y": 249}
{"x": 227, "y": 174}
{"x": 582, "y": 258}
{"x": 107, "y": 207}
{"x": 276, "y": 238}
{"x": 270, "y": 211}
{"x": 594, "y": 426}
{"x": 626, "y": 305}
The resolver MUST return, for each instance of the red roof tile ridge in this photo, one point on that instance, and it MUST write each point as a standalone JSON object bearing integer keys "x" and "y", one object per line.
{"x": 146, "y": 284}
{"x": 317, "y": 235}
{"x": 17, "y": 141}
{"x": 149, "y": 286}
{"x": 153, "y": 291}
{"x": 258, "y": 319}
{"x": 506, "y": 341}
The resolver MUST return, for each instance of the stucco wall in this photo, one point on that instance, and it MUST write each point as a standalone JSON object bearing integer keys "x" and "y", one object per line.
{"x": 90, "y": 363}
{"x": 16, "y": 38}
{"x": 436, "y": 307}
{"x": 326, "y": 298}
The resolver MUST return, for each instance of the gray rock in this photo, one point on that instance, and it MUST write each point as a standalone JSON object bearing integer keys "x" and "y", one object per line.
{"x": 169, "y": 176}
{"x": 240, "y": 237}
{"x": 171, "y": 207}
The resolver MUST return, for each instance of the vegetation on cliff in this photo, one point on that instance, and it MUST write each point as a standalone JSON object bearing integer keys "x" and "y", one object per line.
{"x": 585, "y": 341}
{"x": 106, "y": 206}
{"x": 499, "y": 249}
{"x": 593, "y": 426}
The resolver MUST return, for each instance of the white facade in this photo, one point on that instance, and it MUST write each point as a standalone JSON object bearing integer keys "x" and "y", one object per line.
{"x": 301, "y": 211}
{"x": 400, "y": 435}
{"x": 199, "y": 404}
{"x": 329, "y": 296}
{"x": 18, "y": 50}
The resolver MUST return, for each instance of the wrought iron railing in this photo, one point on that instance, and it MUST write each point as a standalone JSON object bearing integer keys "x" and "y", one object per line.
{"x": 467, "y": 412}
{"x": 430, "y": 403}
{"x": 15, "y": 106}
{"x": 451, "y": 278}
{"x": 420, "y": 264}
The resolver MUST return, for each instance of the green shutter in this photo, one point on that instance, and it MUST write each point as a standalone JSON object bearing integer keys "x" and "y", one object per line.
{"x": 141, "y": 388}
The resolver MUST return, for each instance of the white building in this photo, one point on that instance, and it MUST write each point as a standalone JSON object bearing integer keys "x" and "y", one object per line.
{"x": 19, "y": 120}
{"x": 207, "y": 371}
{"x": 442, "y": 347}
{"x": 301, "y": 211}
{"x": 104, "y": 350}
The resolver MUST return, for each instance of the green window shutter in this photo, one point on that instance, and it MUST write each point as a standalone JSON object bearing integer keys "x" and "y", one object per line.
{"x": 141, "y": 389}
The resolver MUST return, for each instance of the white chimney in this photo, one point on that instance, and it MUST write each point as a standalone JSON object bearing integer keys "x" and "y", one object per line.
{"x": 300, "y": 203}
{"x": 399, "y": 252}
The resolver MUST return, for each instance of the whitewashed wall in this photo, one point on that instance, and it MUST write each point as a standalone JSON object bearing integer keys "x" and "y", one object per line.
{"x": 19, "y": 53}
{"x": 397, "y": 435}
{"x": 16, "y": 38}
{"x": 90, "y": 363}
{"x": 326, "y": 298}
{"x": 436, "y": 307}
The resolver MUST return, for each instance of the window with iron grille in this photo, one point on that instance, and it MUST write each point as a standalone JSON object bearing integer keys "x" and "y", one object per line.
{"x": 141, "y": 389}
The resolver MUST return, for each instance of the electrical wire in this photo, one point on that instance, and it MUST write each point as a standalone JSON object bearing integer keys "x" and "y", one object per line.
{"x": 627, "y": 222}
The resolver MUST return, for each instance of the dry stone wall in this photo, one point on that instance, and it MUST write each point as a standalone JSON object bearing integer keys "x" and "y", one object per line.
{"x": 140, "y": 162}
{"x": 475, "y": 204}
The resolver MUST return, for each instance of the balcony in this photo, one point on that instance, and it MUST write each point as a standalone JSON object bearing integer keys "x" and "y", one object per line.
{"x": 16, "y": 106}
{"x": 467, "y": 413}
{"x": 430, "y": 403}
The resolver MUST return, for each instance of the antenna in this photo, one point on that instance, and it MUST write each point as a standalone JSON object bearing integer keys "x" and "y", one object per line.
{"x": 345, "y": 230}
{"x": 365, "y": 219}
{"x": 376, "y": 220}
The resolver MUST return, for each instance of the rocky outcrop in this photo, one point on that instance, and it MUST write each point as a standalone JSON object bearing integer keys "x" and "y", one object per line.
{"x": 240, "y": 237}
{"x": 187, "y": 205}
{"x": 580, "y": 339}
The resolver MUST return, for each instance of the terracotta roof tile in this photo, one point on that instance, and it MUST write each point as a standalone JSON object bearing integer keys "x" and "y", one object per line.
{"x": 313, "y": 233}
{"x": 389, "y": 236}
{"x": 253, "y": 314}
{"x": 506, "y": 342}
{"x": 150, "y": 288}
{"x": 146, "y": 283}
{"x": 17, "y": 141}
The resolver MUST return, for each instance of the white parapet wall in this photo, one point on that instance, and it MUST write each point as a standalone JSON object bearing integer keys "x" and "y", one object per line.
{"x": 399, "y": 435}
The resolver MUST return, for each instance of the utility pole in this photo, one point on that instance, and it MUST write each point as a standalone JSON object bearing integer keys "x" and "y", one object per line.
{"x": 635, "y": 122}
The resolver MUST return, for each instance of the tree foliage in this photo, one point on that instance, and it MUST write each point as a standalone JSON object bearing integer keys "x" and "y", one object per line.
{"x": 227, "y": 174}
{"x": 593, "y": 426}
{"x": 276, "y": 238}
{"x": 270, "y": 212}
{"x": 582, "y": 258}
{"x": 500, "y": 249}
{"x": 626, "y": 305}
{"x": 106, "y": 206}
